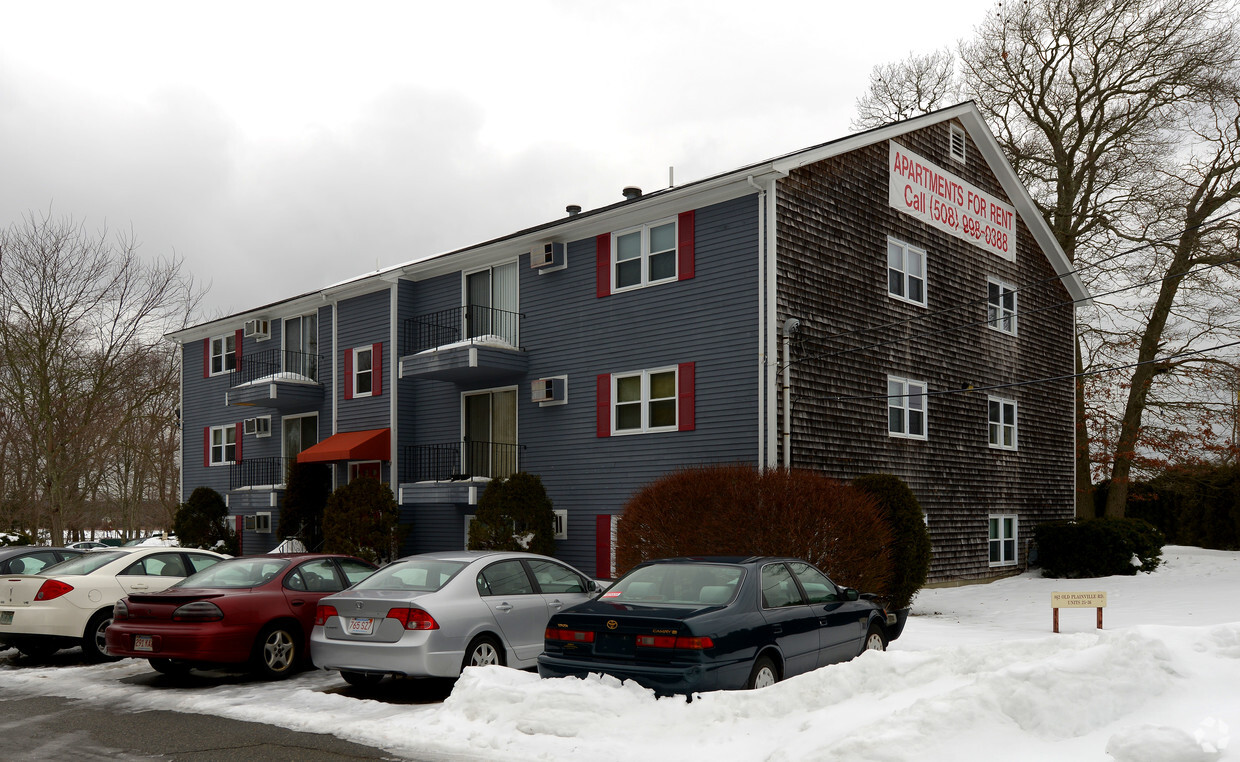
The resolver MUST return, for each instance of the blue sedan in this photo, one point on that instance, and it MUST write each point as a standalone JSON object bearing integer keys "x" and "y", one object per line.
{"x": 697, "y": 624}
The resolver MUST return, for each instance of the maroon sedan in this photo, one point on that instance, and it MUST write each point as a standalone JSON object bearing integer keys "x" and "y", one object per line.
{"x": 255, "y": 610}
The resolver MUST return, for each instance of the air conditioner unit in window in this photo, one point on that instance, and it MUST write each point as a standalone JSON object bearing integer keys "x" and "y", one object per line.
{"x": 550, "y": 254}
{"x": 262, "y": 523}
{"x": 548, "y": 389}
{"x": 259, "y": 427}
{"x": 258, "y": 328}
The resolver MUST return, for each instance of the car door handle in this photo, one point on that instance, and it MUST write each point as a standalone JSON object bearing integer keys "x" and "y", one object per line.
{"x": 778, "y": 630}
{"x": 297, "y": 602}
{"x": 139, "y": 586}
{"x": 556, "y": 604}
{"x": 505, "y": 607}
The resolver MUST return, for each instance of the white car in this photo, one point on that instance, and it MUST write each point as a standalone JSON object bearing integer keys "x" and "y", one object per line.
{"x": 70, "y": 603}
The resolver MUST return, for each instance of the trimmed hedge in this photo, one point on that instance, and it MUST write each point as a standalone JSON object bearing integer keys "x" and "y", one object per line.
{"x": 1098, "y": 547}
{"x": 514, "y": 514}
{"x": 202, "y": 522}
{"x": 1192, "y": 505}
{"x": 361, "y": 519}
{"x": 910, "y": 540}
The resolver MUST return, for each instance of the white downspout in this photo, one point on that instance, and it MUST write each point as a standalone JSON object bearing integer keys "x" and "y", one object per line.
{"x": 761, "y": 317}
{"x": 772, "y": 362}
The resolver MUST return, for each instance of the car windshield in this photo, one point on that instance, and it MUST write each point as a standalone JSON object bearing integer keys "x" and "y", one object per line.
{"x": 418, "y": 574}
{"x": 678, "y": 584}
{"x": 85, "y": 563}
{"x": 236, "y": 572}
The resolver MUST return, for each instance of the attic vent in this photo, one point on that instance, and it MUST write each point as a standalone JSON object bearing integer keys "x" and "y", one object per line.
{"x": 958, "y": 143}
{"x": 573, "y": 210}
{"x": 631, "y": 192}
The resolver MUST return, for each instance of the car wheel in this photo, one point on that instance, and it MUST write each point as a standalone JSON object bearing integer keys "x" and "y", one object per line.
{"x": 763, "y": 674}
{"x": 275, "y": 652}
{"x": 361, "y": 679}
{"x": 94, "y": 639}
{"x": 38, "y": 650}
{"x": 874, "y": 639}
{"x": 169, "y": 667}
{"x": 483, "y": 651}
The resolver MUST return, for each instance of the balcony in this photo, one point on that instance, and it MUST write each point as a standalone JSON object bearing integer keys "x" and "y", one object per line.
{"x": 283, "y": 379}
{"x": 259, "y": 472}
{"x": 466, "y": 345}
{"x": 458, "y": 461}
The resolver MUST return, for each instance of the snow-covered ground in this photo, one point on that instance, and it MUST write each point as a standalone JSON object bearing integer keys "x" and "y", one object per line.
{"x": 977, "y": 675}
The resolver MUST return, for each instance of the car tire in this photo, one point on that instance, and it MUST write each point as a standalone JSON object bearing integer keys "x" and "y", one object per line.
{"x": 763, "y": 674}
{"x": 875, "y": 639}
{"x": 170, "y": 667}
{"x": 276, "y": 652}
{"x": 483, "y": 651}
{"x": 361, "y": 679}
{"x": 38, "y": 650}
{"x": 94, "y": 640}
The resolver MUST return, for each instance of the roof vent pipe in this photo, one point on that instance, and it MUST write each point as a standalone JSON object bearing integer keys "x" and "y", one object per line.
{"x": 573, "y": 209}
{"x": 631, "y": 192}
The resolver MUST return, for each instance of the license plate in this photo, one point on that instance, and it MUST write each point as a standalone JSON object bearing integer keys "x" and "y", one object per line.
{"x": 362, "y": 625}
{"x": 6, "y": 617}
{"x": 143, "y": 643}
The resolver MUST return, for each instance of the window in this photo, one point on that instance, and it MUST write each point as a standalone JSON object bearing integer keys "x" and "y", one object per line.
{"x": 301, "y": 346}
{"x": 1002, "y": 416}
{"x": 258, "y": 427}
{"x": 504, "y": 578}
{"x": 489, "y": 433}
{"x": 645, "y": 401}
{"x": 645, "y": 255}
{"x": 223, "y": 445}
{"x": 223, "y": 354}
{"x": 363, "y": 374}
{"x": 778, "y": 588}
{"x": 491, "y": 308}
{"x": 906, "y": 408}
{"x": 906, "y": 272}
{"x": 1003, "y": 540}
{"x": 560, "y": 523}
{"x": 817, "y": 587}
{"x": 1001, "y": 306}
{"x": 958, "y": 143}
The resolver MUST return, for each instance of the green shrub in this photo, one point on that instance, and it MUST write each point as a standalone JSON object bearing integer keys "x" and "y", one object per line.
{"x": 361, "y": 519}
{"x": 15, "y": 537}
{"x": 514, "y": 514}
{"x": 305, "y": 500}
{"x": 910, "y": 540}
{"x": 1193, "y": 505}
{"x": 202, "y": 522}
{"x": 738, "y": 510}
{"x": 1098, "y": 547}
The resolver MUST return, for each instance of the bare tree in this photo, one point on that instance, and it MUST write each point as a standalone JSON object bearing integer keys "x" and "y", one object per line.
{"x": 917, "y": 85}
{"x": 82, "y": 317}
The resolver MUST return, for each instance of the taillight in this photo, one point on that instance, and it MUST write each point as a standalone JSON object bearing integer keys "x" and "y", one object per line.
{"x": 198, "y": 611}
{"x": 323, "y": 613}
{"x": 569, "y": 636}
{"x": 671, "y": 641}
{"x": 413, "y": 619}
{"x": 51, "y": 589}
{"x": 120, "y": 611}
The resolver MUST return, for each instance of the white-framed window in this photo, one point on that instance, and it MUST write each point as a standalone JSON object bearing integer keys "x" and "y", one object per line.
{"x": 363, "y": 372}
{"x": 560, "y": 523}
{"x": 1002, "y": 416}
{"x": 223, "y": 354}
{"x": 370, "y": 468}
{"x": 1001, "y": 306}
{"x": 906, "y": 272}
{"x": 958, "y": 143}
{"x": 644, "y": 255}
{"x": 906, "y": 408}
{"x": 1003, "y": 539}
{"x": 223, "y": 445}
{"x": 644, "y": 401}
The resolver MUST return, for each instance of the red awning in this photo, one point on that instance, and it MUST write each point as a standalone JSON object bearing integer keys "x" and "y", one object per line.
{"x": 373, "y": 444}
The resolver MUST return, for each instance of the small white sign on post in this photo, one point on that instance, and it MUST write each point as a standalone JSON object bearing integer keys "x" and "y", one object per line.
{"x": 1078, "y": 600}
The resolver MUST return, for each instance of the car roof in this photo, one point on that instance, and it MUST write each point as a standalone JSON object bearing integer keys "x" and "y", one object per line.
{"x": 470, "y": 555}
{"x": 732, "y": 560}
{"x": 16, "y": 550}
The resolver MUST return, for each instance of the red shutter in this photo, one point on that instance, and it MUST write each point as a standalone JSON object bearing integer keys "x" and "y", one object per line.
{"x": 603, "y": 405}
{"x": 348, "y": 374}
{"x": 684, "y": 246}
{"x": 376, "y": 369}
{"x": 602, "y": 546}
{"x": 684, "y": 393}
{"x": 240, "y": 338}
{"x": 206, "y": 446}
{"x": 602, "y": 256}
{"x": 238, "y": 437}
{"x": 206, "y": 358}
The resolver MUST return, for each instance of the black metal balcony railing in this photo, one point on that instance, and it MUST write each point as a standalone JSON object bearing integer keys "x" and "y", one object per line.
{"x": 458, "y": 460}
{"x": 257, "y": 472}
{"x": 287, "y": 364}
{"x": 450, "y": 326}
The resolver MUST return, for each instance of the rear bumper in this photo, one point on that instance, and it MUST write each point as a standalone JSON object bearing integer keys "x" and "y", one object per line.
{"x": 667, "y": 680}
{"x": 416, "y": 654}
{"x": 217, "y": 646}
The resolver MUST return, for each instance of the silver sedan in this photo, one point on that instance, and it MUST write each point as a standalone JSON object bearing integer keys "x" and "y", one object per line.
{"x": 435, "y": 614}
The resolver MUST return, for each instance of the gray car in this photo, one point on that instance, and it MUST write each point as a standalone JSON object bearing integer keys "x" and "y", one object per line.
{"x": 435, "y": 614}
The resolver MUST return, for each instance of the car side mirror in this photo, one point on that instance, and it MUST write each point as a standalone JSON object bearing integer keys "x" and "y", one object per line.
{"x": 850, "y": 594}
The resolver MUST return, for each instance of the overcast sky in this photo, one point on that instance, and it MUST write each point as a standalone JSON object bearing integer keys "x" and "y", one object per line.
{"x": 281, "y": 147}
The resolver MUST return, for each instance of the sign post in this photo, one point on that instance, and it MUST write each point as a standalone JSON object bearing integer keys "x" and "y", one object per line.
{"x": 1089, "y": 600}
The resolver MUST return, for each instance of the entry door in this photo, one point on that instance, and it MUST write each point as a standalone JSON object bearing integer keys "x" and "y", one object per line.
{"x": 300, "y": 433}
{"x": 490, "y": 435}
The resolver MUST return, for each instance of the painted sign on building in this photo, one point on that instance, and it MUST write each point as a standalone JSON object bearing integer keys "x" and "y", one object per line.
{"x": 920, "y": 188}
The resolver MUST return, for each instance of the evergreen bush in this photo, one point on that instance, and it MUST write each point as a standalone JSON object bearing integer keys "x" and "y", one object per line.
{"x": 910, "y": 540}
{"x": 514, "y": 513}
{"x": 1098, "y": 547}
{"x": 202, "y": 522}
{"x": 362, "y": 519}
